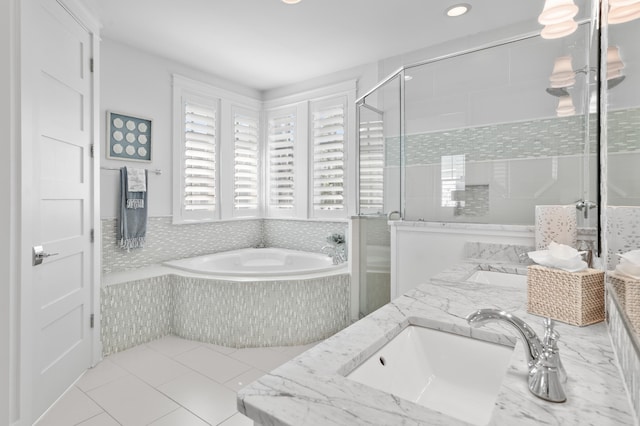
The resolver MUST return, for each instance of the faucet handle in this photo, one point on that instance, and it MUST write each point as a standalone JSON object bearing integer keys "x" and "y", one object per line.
{"x": 550, "y": 344}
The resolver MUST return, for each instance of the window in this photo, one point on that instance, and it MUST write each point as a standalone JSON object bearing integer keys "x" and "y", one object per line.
{"x": 197, "y": 154}
{"x": 246, "y": 155}
{"x": 371, "y": 167}
{"x": 328, "y": 155}
{"x": 452, "y": 178}
{"x": 280, "y": 153}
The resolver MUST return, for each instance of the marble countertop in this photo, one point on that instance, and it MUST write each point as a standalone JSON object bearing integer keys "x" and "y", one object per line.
{"x": 312, "y": 389}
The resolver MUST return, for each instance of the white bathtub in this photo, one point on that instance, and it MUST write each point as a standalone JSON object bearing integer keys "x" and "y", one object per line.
{"x": 256, "y": 263}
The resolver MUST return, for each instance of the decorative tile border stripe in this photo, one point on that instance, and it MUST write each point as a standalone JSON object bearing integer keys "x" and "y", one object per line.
{"x": 233, "y": 314}
{"x": 526, "y": 139}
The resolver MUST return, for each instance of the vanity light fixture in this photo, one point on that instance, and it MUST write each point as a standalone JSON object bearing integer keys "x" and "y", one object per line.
{"x": 614, "y": 67}
{"x": 557, "y": 18}
{"x": 290, "y": 1}
{"x": 565, "y": 106}
{"x": 621, "y": 11}
{"x": 457, "y": 10}
{"x": 563, "y": 74}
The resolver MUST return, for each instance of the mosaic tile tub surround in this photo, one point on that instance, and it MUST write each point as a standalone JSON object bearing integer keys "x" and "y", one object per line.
{"x": 227, "y": 313}
{"x": 166, "y": 241}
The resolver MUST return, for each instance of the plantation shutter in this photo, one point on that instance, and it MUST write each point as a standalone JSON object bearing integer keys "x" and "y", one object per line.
{"x": 199, "y": 158}
{"x": 246, "y": 152}
{"x": 371, "y": 167}
{"x": 281, "y": 140}
{"x": 328, "y": 154}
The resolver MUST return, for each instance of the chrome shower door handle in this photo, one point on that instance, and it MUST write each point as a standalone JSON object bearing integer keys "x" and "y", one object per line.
{"x": 39, "y": 255}
{"x": 391, "y": 215}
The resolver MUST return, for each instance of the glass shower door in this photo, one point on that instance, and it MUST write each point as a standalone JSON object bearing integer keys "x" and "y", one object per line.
{"x": 379, "y": 195}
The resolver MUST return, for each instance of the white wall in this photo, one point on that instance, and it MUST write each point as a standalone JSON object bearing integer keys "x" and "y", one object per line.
{"x": 8, "y": 184}
{"x": 138, "y": 83}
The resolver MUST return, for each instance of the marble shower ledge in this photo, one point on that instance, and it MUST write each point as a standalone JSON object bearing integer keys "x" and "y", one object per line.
{"x": 312, "y": 390}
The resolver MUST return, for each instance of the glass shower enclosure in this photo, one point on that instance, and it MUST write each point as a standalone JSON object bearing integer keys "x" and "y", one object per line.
{"x": 479, "y": 136}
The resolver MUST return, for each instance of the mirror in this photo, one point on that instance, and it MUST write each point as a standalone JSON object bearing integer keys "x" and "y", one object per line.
{"x": 622, "y": 146}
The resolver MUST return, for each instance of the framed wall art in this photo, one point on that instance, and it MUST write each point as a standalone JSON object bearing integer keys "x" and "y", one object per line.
{"x": 128, "y": 137}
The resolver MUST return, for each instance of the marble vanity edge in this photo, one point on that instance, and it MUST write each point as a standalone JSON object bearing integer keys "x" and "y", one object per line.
{"x": 272, "y": 399}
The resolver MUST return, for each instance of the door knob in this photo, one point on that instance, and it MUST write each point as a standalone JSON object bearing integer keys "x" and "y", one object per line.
{"x": 39, "y": 255}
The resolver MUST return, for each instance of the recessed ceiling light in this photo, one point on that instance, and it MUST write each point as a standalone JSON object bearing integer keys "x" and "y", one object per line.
{"x": 458, "y": 10}
{"x": 290, "y": 1}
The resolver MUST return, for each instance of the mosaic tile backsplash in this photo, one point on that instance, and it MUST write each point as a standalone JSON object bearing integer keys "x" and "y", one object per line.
{"x": 625, "y": 351}
{"x": 622, "y": 232}
{"x": 301, "y": 235}
{"x": 166, "y": 241}
{"x": 232, "y": 314}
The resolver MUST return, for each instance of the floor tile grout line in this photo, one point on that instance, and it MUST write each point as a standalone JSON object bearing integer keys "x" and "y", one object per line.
{"x": 179, "y": 407}
{"x": 104, "y": 410}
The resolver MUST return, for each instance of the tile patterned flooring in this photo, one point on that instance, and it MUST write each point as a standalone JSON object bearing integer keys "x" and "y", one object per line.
{"x": 167, "y": 382}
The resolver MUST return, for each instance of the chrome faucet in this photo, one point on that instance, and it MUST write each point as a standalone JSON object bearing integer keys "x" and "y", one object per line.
{"x": 546, "y": 372}
{"x": 336, "y": 252}
{"x": 335, "y": 249}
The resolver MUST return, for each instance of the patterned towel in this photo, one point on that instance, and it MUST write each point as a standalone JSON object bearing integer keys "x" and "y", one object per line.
{"x": 133, "y": 215}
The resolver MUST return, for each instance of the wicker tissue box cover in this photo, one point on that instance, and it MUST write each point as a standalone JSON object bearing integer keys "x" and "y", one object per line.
{"x": 576, "y": 298}
{"x": 628, "y": 291}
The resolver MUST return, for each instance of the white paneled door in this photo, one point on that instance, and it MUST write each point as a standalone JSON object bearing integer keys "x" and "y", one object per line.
{"x": 60, "y": 87}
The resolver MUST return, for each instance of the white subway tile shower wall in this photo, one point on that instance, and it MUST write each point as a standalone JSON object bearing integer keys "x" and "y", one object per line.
{"x": 233, "y": 314}
{"x": 626, "y": 354}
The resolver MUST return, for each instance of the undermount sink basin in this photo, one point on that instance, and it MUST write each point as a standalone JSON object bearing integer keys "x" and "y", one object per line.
{"x": 455, "y": 375}
{"x": 497, "y": 278}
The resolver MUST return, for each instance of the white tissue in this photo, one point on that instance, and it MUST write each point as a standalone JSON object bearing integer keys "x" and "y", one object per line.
{"x": 559, "y": 256}
{"x": 629, "y": 264}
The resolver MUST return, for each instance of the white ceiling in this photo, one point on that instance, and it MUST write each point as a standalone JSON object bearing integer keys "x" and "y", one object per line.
{"x": 265, "y": 44}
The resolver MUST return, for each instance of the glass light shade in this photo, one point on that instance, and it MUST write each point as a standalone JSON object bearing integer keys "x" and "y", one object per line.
{"x": 563, "y": 83}
{"x": 560, "y": 30}
{"x": 614, "y": 74}
{"x": 562, "y": 69}
{"x": 290, "y": 1}
{"x": 621, "y": 13}
{"x": 614, "y": 62}
{"x": 557, "y": 12}
{"x": 617, "y": 3}
{"x": 565, "y": 107}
